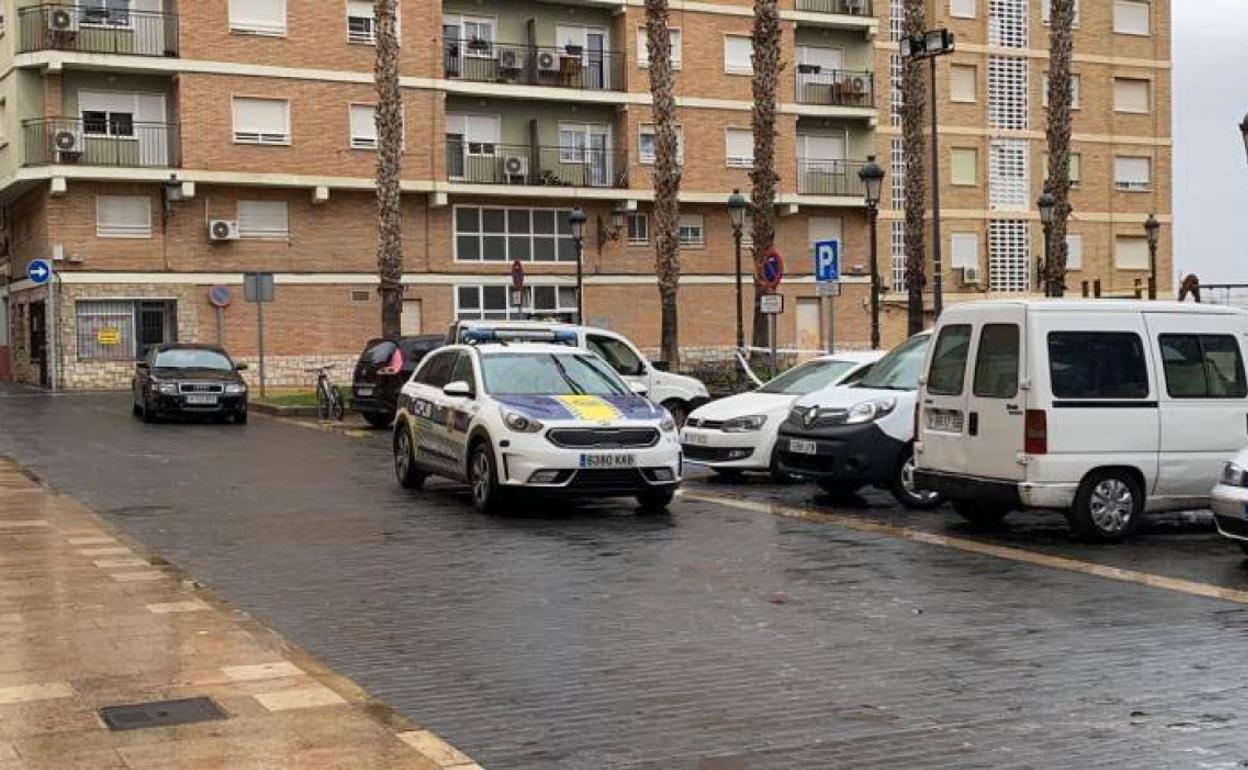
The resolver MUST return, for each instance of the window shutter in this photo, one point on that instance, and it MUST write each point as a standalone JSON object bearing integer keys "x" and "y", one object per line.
{"x": 1131, "y": 252}
{"x": 363, "y": 127}
{"x": 739, "y": 147}
{"x": 962, "y": 79}
{"x": 1132, "y": 173}
{"x": 964, "y": 162}
{"x": 962, "y": 9}
{"x": 123, "y": 216}
{"x": 1130, "y": 95}
{"x": 263, "y": 219}
{"x": 965, "y": 250}
{"x": 643, "y": 51}
{"x": 1074, "y": 252}
{"x": 738, "y": 53}
{"x": 1131, "y": 17}
{"x": 260, "y": 16}
{"x": 261, "y": 121}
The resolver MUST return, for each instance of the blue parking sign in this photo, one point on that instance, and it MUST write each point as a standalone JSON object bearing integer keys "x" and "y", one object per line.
{"x": 828, "y": 260}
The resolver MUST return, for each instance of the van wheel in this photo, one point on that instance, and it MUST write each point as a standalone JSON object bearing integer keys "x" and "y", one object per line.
{"x": 902, "y": 486}
{"x": 487, "y": 497}
{"x": 980, "y": 514}
{"x": 1108, "y": 506}
{"x": 405, "y": 460}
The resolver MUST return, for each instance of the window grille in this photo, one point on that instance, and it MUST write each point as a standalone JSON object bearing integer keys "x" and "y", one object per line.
{"x": 894, "y": 90}
{"x": 1009, "y": 242}
{"x": 1008, "y": 185}
{"x": 1007, "y": 23}
{"x": 1007, "y": 92}
{"x": 899, "y": 174}
{"x": 899, "y": 255}
{"x": 896, "y": 19}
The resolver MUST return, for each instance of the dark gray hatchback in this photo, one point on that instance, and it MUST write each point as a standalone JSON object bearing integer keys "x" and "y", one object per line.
{"x": 382, "y": 369}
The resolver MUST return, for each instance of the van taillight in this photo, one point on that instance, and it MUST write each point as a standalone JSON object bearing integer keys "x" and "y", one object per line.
{"x": 394, "y": 365}
{"x": 1036, "y": 433}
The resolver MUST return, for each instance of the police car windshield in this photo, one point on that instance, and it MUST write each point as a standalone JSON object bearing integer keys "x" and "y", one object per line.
{"x": 192, "y": 359}
{"x": 549, "y": 374}
{"x": 899, "y": 370}
{"x": 807, "y": 378}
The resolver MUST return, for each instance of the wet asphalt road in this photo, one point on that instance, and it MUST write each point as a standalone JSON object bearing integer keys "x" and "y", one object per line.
{"x": 713, "y": 638}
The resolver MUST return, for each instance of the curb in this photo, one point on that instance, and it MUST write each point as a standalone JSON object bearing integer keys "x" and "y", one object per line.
{"x": 273, "y": 410}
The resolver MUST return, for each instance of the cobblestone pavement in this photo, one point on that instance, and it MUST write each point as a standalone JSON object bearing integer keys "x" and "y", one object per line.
{"x": 714, "y": 638}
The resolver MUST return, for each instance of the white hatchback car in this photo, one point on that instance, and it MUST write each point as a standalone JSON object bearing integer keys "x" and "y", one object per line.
{"x": 1229, "y": 500}
{"x": 738, "y": 433}
{"x": 540, "y": 417}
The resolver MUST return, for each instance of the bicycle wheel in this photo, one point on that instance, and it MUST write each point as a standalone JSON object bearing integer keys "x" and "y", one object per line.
{"x": 339, "y": 406}
{"x": 322, "y": 402}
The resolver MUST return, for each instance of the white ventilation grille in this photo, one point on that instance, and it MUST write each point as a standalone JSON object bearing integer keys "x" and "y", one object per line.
{"x": 894, "y": 89}
{"x": 1008, "y": 105}
{"x": 899, "y": 255}
{"x": 899, "y": 174}
{"x": 1009, "y": 242}
{"x": 896, "y": 19}
{"x": 1007, "y": 175}
{"x": 1007, "y": 23}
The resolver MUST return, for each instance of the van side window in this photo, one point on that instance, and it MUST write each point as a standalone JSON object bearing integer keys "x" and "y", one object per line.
{"x": 616, "y": 353}
{"x": 996, "y": 362}
{"x": 1203, "y": 366}
{"x": 948, "y": 371}
{"x": 1097, "y": 365}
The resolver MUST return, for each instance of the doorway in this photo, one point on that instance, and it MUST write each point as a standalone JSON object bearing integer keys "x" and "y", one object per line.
{"x": 37, "y": 323}
{"x": 809, "y": 324}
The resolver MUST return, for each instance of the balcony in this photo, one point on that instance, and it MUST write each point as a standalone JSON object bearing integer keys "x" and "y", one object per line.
{"x": 842, "y": 7}
{"x": 97, "y": 29}
{"x": 575, "y": 67}
{"x": 842, "y": 88}
{"x": 114, "y": 140}
{"x": 830, "y": 177}
{"x": 522, "y": 164}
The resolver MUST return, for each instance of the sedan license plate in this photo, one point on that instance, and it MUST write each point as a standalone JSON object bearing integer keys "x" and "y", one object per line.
{"x": 696, "y": 439}
{"x": 364, "y": 390}
{"x": 608, "y": 461}
{"x": 200, "y": 399}
{"x": 803, "y": 447}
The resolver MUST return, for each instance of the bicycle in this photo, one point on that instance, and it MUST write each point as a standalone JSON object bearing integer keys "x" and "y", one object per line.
{"x": 329, "y": 400}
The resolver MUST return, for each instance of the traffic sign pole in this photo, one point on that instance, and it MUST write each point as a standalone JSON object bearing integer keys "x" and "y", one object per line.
{"x": 54, "y": 332}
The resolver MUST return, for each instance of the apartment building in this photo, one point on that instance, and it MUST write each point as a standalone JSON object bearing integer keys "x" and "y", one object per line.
{"x": 157, "y": 150}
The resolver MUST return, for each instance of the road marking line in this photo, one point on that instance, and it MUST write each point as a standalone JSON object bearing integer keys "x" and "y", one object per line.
{"x": 1191, "y": 587}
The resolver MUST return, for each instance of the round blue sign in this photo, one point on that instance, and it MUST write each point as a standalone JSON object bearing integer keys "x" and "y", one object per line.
{"x": 39, "y": 271}
{"x": 219, "y": 296}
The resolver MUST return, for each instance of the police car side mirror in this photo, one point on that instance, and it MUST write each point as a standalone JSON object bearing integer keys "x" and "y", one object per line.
{"x": 639, "y": 389}
{"x": 457, "y": 389}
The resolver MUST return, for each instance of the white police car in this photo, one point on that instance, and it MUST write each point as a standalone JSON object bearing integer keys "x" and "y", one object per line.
{"x": 506, "y": 414}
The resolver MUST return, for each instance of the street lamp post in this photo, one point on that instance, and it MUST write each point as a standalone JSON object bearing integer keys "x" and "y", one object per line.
{"x": 872, "y": 177}
{"x": 1152, "y": 228}
{"x": 736, "y": 211}
{"x": 577, "y": 219}
{"x": 1046, "y": 204}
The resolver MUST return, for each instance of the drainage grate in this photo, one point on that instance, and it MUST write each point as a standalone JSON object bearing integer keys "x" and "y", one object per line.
{"x": 161, "y": 713}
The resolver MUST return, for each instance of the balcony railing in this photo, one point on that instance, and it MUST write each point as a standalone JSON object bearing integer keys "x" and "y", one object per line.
{"x": 114, "y": 140}
{"x": 829, "y": 176}
{"x": 817, "y": 85}
{"x": 522, "y": 164}
{"x": 846, "y": 7}
{"x": 533, "y": 65}
{"x": 97, "y": 29}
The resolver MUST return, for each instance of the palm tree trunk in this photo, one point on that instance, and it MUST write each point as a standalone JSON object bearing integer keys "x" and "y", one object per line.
{"x": 666, "y": 177}
{"x": 389, "y": 150}
{"x": 1061, "y": 48}
{"x": 913, "y": 98}
{"x": 763, "y": 175}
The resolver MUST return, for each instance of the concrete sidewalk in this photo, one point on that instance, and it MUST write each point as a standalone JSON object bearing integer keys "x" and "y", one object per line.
{"x": 87, "y": 622}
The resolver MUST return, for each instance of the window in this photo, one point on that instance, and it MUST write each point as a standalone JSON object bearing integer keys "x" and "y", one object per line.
{"x": 122, "y": 330}
{"x": 1132, "y": 173}
{"x": 1203, "y": 366}
{"x": 1046, "y": 12}
{"x": 747, "y": 230}
{"x": 436, "y": 371}
{"x": 584, "y": 143}
{"x": 1075, "y": 88}
{"x": 1131, "y": 17}
{"x": 4, "y": 122}
{"x": 690, "y": 231}
{"x": 111, "y": 13}
{"x": 258, "y": 17}
{"x": 463, "y": 372}
{"x": 739, "y": 147}
{"x": 1008, "y": 86}
{"x": 1131, "y": 95}
{"x": 123, "y": 216}
{"x": 1097, "y": 365}
{"x": 1008, "y": 175}
{"x": 363, "y": 127}
{"x": 618, "y": 354}
{"x": 1009, "y": 250}
{"x": 638, "y": 229}
{"x": 962, "y": 9}
{"x": 996, "y": 363}
{"x": 263, "y": 219}
{"x": 962, "y": 79}
{"x": 261, "y": 121}
{"x": 643, "y": 51}
{"x": 361, "y": 26}
{"x": 964, "y": 248}
{"x": 964, "y": 163}
{"x": 948, "y": 370}
{"x": 1131, "y": 252}
{"x": 492, "y": 303}
{"x": 1009, "y": 23}
{"x": 1074, "y": 252}
{"x": 496, "y": 234}
{"x": 645, "y": 139}
{"x": 738, "y": 54}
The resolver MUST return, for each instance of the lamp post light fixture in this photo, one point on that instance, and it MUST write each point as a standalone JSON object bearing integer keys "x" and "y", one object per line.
{"x": 736, "y": 212}
{"x": 1152, "y": 228}
{"x": 872, "y": 177}
{"x": 612, "y": 233}
{"x": 577, "y": 220}
{"x": 929, "y": 45}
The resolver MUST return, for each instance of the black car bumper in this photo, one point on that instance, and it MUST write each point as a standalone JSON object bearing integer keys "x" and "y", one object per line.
{"x": 852, "y": 453}
{"x": 225, "y": 405}
{"x": 958, "y": 487}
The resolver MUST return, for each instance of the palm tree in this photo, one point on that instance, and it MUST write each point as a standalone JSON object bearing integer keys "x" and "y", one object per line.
{"x": 1061, "y": 47}
{"x": 666, "y": 177}
{"x": 389, "y": 149}
{"x": 913, "y": 98}
{"x": 763, "y": 122}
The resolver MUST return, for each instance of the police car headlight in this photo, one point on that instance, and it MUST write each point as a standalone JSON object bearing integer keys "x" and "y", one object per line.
{"x": 168, "y": 388}
{"x": 520, "y": 423}
{"x": 235, "y": 389}
{"x": 1234, "y": 475}
{"x": 668, "y": 425}
{"x": 745, "y": 424}
{"x": 870, "y": 411}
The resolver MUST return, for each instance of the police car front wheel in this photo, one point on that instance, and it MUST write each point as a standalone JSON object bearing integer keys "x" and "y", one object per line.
{"x": 655, "y": 501}
{"x": 483, "y": 478}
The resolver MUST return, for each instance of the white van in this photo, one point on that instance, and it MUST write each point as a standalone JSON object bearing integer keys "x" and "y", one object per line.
{"x": 1104, "y": 409}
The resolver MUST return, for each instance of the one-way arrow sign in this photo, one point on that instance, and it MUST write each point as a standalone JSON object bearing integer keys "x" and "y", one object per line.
{"x": 39, "y": 271}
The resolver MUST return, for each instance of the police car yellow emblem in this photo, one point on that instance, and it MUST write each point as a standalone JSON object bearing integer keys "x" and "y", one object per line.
{"x": 590, "y": 408}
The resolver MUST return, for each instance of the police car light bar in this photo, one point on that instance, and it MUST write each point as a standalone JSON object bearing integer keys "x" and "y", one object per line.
{"x": 479, "y": 336}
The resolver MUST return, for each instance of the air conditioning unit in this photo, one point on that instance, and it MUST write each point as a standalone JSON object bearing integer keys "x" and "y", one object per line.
{"x": 970, "y": 274}
{"x": 68, "y": 145}
{"x": 515, "y": 166}
{"x": 858, "y": 84}
{"x": 62, "y": 19}
{"x": 509, "y": 59}
{"x": 220, "y": 230}
{"x": 547, "y": 62}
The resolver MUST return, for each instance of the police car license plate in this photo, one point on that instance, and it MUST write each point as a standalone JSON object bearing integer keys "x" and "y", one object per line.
{"x": 697, "y": 439}
{"x": 608, "y": 461}
{"x": 201, "y": 400}
{"x": 803, "y": 447}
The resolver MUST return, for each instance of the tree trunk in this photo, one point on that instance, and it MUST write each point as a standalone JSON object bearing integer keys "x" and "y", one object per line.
{"x": 914, "y": 147}
{"x": 389, "y": 151}
{"x": 666, "y": 178}
{"x": 1060, "y": 96}
{"x": 763, "y": 176}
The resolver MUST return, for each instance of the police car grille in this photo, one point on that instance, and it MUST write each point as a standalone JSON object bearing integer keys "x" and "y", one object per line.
{"x": 603, "y": 438}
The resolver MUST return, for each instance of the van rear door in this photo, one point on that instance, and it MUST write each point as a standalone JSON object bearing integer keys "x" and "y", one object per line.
{"x": 995, "y": 412}
{"x": 943, "y": 397}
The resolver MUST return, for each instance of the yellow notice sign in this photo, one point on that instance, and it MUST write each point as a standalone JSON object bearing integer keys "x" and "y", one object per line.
{"x": 590, "y": 408}
{"x": 107, "y": 336}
